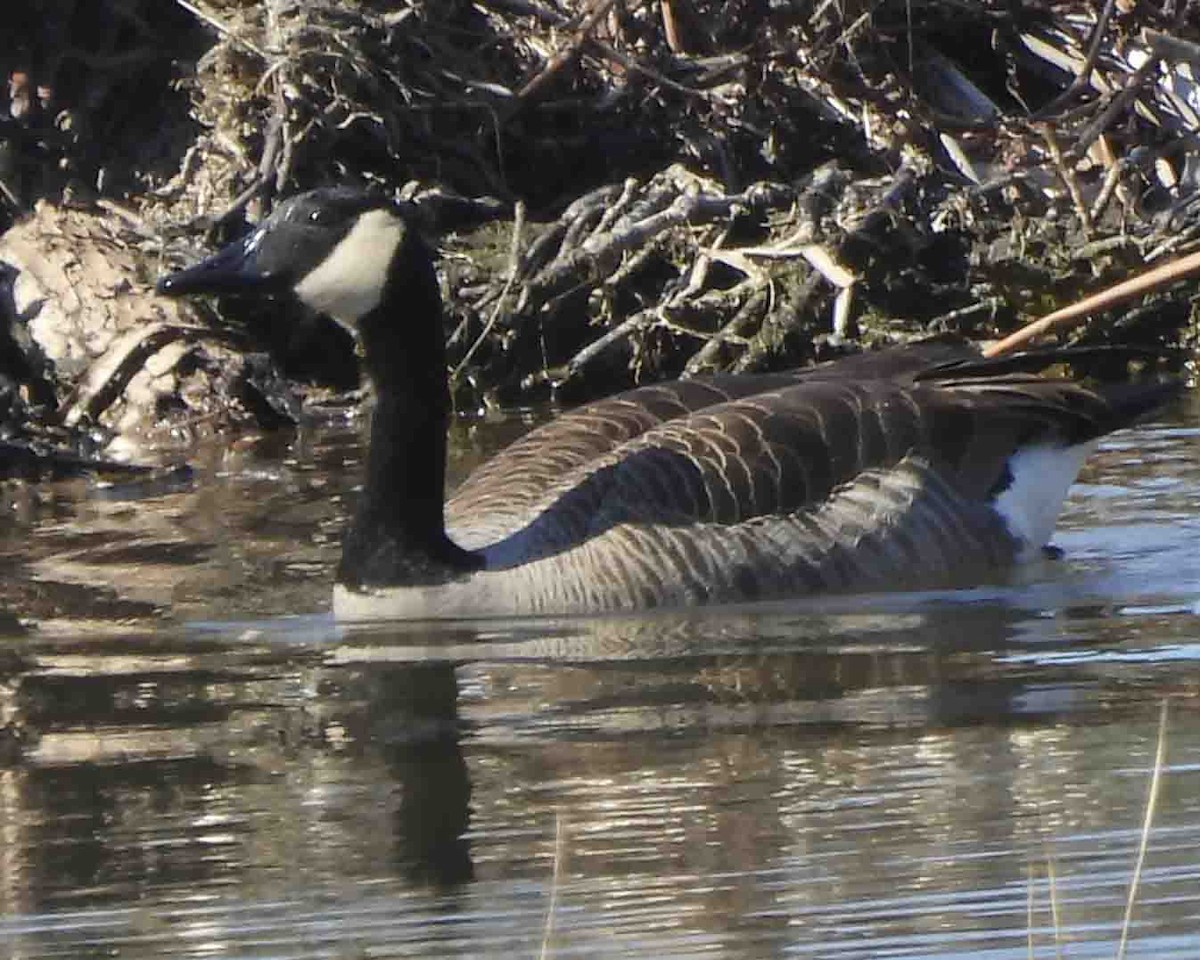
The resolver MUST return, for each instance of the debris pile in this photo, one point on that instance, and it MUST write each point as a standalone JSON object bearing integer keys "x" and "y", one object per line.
{"x": 626, "y": 189}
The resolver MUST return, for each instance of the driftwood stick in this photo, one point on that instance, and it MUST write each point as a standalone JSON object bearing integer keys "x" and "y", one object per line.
{"x": 568, "y": 54}
{"x": 636, "y": 321}
{"x": 104, "y": 380}
{"x": 599, "y": 255}
{"x": 949, "y": 320}
{"x": 594, "y": 44}
{"x": 581, "y": 227}
{"x": 618, "y": 206}
{"x": 1068, "y": 316}
{"x": 1176, "y": 241}
{"x": 712, "y": 302}
{"x": 755, "y": 308}
{"x": 779, "y": 313}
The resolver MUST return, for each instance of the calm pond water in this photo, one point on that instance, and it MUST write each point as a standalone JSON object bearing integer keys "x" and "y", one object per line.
{"x": 195, "y": 762}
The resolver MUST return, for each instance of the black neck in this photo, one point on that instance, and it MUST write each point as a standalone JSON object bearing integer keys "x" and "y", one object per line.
{"x": 398, "y": 536}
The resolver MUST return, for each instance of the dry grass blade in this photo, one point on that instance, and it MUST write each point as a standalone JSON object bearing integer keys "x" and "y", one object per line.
{"x": 560, "y": 845}
{"x": 1029, "y": 914}
{"x": 1055, "y": 905}
{"x": 1160, "y": 756}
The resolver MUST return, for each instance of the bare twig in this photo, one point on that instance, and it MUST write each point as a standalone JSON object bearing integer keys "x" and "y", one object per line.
{"x": 568, "y": 54}
{"x": 1067, "y": 175}
{"x": 1089, "y": 63}
{"x": 224, "y": 29}
{"x": 670, "y": 22}
{"x": 1119, "y": 104}
{"x": 1069, "y": 316}
{"x": 1112, "y": 180}
{"x": 599, "y": 254}
{"x": 713, "y": 302}
{"x": 514, "y": 264}
{"x": 637, "y": 321}
{"x": 754, "y": 308}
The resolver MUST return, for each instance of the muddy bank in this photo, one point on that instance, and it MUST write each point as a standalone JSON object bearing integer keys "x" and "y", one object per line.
{"x": 622, "y": 190}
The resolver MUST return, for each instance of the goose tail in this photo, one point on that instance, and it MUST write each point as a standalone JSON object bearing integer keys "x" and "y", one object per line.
{"x": 1038, "y": 474}
{"x": 1129, "y": 402}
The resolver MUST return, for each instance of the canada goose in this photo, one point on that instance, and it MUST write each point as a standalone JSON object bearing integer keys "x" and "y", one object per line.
{"x": 907, "y": 467}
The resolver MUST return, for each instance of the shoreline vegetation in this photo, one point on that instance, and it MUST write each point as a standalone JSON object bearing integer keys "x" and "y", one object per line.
{"x": 623, "y": 190}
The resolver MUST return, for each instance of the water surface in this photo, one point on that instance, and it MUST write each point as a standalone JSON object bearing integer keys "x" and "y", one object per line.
{"x": 195, "y": 762}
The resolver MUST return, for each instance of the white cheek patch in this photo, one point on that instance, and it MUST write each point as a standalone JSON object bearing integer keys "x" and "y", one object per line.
{"x": 348, "y": 284}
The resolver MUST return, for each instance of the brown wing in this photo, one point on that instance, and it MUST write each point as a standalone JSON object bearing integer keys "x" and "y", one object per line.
{"x": 507, "y": 492}
{"x": 781, "y": 452}
{"x": 504, "y": 494}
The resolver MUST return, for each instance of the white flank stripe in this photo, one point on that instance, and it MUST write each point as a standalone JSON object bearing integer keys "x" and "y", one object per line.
{"x": 348, "y": 284}
{"x": 1041, "y": 477}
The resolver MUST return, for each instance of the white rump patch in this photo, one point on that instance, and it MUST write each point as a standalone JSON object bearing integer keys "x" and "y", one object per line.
{"x": 1041, "y": 477}
{"x": 348, "y": 284}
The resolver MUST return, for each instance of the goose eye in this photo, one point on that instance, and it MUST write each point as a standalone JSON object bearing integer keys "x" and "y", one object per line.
{"x": 317, "y": 216}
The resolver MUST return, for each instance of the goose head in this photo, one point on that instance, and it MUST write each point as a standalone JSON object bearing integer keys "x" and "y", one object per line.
{"x": 341, "y": 252}
{"x": 358, "y": 259}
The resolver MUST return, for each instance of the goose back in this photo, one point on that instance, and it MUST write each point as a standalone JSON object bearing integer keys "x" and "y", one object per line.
{"x": 509, "y": 490}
